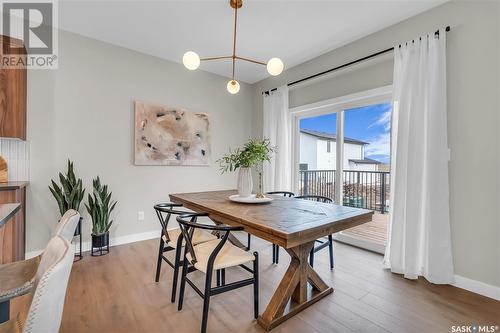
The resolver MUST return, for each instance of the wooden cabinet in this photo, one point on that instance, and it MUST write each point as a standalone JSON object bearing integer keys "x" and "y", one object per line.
{"x": 13, "y": 87}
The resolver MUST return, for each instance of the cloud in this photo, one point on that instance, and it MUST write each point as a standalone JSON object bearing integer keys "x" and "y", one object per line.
{"x": 384, "y": 120}
{"x": 380, "y": 145}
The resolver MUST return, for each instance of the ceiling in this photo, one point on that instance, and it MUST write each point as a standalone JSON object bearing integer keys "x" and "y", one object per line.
{"x": 295, "y": 31}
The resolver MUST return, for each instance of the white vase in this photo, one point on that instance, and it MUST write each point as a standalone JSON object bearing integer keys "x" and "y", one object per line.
{"x": 245, "y": 183}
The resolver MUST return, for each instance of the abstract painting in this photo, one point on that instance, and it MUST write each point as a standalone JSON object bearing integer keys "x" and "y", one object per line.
{"x": 170, "y": 136}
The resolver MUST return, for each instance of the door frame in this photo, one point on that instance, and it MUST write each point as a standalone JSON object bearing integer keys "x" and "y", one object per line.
{"x": 333, "y": 105}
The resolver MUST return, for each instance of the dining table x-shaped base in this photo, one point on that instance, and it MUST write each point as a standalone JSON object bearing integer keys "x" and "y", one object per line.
{"x": 293, "y": 224}
{"x": 294, "y": 287}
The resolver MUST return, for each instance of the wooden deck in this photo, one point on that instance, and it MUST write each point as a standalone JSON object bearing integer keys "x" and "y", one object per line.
{"x": 375, "y": 231}
{"x": 371, "y": 235}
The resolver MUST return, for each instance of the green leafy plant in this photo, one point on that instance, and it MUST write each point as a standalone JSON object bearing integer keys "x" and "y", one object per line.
{"x": 253, "y": 153}
{"x": 69, "y": 194}
{"x": 100, "y": 207}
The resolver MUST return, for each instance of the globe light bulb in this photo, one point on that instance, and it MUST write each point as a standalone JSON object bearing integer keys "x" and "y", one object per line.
{"x": 191, "y": 60}
{"x": 233, "y": 87}
{"x": 275, "y": 66}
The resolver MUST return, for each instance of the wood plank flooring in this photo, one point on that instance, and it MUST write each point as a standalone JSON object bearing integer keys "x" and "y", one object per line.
{"x": 117, "y": 293}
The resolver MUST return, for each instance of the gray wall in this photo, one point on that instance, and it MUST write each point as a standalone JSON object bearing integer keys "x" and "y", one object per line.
{"x": 84, "y": 111}
{"x": 473, "y": 120}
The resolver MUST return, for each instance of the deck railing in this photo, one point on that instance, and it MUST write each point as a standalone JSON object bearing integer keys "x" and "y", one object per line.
{"x": 363, "y": 189}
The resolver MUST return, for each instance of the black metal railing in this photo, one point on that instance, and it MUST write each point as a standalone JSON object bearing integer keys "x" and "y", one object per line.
{"x": 363, "y": 189}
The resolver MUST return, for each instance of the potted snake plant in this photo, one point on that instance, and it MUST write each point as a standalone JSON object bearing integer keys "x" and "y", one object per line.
{"x": 69, "y": 194}
{"x": 100, "y": 206}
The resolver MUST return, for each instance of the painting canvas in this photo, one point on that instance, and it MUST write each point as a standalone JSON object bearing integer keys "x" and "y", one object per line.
{"x": 170, "y": 135}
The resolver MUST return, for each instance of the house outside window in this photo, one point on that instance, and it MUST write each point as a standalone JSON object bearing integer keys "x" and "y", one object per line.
{"x": 316, "y": 156}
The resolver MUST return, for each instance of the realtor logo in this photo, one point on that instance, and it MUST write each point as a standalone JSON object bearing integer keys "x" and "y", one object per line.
{"x": 474, "y": 328}
{"x": 35, "y": 24}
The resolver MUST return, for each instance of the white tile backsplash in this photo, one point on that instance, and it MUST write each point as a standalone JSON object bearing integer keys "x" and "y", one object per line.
{"x": 16, "y": 153}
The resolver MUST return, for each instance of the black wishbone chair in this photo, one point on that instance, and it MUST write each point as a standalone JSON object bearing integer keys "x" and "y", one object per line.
{"x": 317, "y": 198}
{"x": 323, "y": 244}
{"x": 283, "y": 193}
{"x": 276, "y": 248}
{"x": 212, "y": 256}
{"x": 169, "y": 240}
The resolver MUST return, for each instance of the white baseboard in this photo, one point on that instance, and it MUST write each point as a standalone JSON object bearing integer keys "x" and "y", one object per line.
{"x": 477, "y": 287}
{"x": 133, "y": 238}
{"x": 112, "y": 241}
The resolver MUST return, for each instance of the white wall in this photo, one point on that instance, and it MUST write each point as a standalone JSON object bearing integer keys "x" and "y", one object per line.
{"x": 473, "y": 74}
{"x": 325, "y": 160}
{"x": 308, "y": 151}
{"x": 314, "y": 152}
{"x": 352, "y": 151}
{"x": 84, "y": 111}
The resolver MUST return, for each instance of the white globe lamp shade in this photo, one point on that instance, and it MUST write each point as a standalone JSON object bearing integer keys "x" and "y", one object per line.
{"x": 233, "y": 87}
{"x": 275, "y": 66}
{"x": 191, "y": 60}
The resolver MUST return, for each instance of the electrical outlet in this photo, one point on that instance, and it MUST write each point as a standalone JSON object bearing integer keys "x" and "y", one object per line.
{"x": 140, "y": 216}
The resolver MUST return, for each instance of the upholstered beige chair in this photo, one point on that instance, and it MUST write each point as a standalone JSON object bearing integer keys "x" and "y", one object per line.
{"x": 18, "y": 277}
{"x": 67, "y": 225}
{"x": 51, "y": 281}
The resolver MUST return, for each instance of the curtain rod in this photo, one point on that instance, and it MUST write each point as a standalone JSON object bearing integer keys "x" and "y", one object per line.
{"x": 345, "y": 65}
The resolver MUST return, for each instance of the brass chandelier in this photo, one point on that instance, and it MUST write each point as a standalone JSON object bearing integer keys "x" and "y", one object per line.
{"x": 191, "y": 60}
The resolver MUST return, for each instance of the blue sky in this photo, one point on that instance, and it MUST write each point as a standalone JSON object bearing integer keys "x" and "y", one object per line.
{"x": 369, "y": 123}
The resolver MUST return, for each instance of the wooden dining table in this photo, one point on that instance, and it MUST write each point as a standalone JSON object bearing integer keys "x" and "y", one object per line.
{"x": 290, "y": 223}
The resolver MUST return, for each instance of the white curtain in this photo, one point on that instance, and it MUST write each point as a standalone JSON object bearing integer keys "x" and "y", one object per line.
{"x": 277, "y": 174}
{"x": 419, "y": 228}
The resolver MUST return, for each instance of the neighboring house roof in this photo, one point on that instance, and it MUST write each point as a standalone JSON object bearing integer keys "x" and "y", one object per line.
{"x": 365, "y": 161}
{"x": 333, "y": 137}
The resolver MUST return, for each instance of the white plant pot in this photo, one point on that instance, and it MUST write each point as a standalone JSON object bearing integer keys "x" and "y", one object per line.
{"x": 245, "y": 183}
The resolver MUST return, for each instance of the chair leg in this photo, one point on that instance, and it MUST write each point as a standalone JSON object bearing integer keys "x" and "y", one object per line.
{"x": 177, "y": 264}
{"x": 206, "y": 300}
{"x": 217, "y": 276}
{"x": 330, "y": 248}
{"x": 183, "y": 283}
{"x": 311, "y": 257}
{"x": 223, "y": 276}
{"x": 159, "y": 259}
{"x": 256, "y": 285}
{"x": 277, "y": 254}
{"x": 274, "y": 253}
{"x": 249, "y": 237}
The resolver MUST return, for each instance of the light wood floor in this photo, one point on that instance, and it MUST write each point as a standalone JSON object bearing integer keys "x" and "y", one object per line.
{"x": 117, "y": 293}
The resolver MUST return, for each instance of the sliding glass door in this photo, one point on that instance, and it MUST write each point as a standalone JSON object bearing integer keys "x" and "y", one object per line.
{"x": 342, "y": 152}
{"x": 318, "y": 155}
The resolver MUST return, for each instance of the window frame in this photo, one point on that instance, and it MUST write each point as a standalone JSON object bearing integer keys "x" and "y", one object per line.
{"x": 334, "y": 105}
